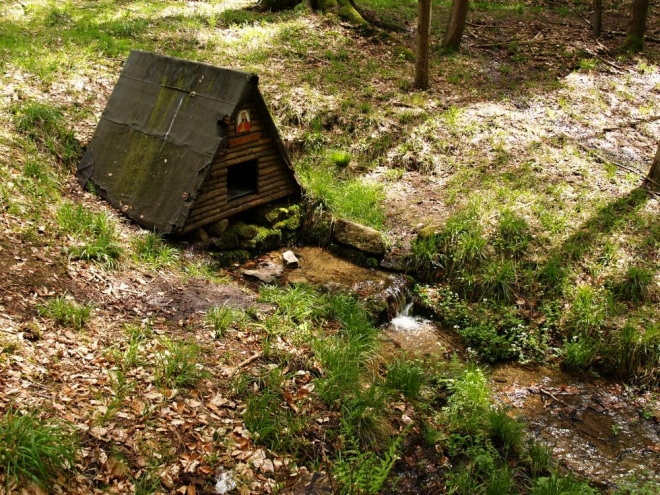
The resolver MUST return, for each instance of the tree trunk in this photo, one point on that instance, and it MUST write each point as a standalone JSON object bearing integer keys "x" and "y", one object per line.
{"x": 597, "y": 18}
{"x": 456, "y": 26}
{"x": 636, "y": 26}
{"x": 344, "y": 8}
{"x": 654, "y": 173}
{"x": 423, "y": 42}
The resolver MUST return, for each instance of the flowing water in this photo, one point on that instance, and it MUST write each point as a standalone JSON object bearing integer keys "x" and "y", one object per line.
{"x": 598, "y": 428}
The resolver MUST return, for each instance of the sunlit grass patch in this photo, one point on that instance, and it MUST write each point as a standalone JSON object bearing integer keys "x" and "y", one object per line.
{"x": 178, "y": 364}
{"x": 45, "y": 125}
{"x": 152, "y": 249}
{"x": 221, "y": 318}
{"x": 94, "y": 234}
{"x": 66, "y": 312}
{"x": 35, "y": 451}
{"x": 353, "y": 199}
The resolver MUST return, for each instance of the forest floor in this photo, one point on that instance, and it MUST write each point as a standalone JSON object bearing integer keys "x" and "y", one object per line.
{"x": 532, "y": 118}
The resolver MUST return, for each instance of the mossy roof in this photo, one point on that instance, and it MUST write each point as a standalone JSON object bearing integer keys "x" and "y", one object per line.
{"x": 160, "y": 130}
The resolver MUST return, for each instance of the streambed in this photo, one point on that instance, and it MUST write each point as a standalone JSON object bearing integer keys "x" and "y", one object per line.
{"x": 600, "y": 429}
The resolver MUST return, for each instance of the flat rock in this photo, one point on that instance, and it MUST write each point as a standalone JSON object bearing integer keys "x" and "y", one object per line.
{"x": 290, "y": 259}
{"x": 359, "y": 237}
{"x": 218, "y": 228}
{"x": 266, "y": 271}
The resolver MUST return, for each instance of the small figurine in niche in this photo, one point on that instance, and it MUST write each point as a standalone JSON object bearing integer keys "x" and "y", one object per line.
{"x": 243, "y": 122}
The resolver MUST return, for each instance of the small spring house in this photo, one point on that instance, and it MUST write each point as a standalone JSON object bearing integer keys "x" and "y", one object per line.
{"x": 183, "y": 144}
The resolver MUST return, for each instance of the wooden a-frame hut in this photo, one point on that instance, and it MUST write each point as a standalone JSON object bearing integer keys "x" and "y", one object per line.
{"x": 183, "y": 144}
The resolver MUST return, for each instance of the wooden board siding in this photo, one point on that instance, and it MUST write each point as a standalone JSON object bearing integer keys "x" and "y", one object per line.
{"x": 274, "y": 180}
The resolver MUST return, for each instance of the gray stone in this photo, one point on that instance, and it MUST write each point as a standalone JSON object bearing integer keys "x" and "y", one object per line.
{"x": 218, "y": 228}
{"x": 290, "y": 259}
{"x": 266, "y": 271}
{"x": 203, "y": 236}
{"x": 359, "y": 237}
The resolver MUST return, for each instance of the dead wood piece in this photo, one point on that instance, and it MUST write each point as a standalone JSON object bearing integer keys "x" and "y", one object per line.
{"x": 603, "y": 159}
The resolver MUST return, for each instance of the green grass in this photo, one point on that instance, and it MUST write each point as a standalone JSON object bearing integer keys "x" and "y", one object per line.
{"x": 269, "y": 419}
{"x": 353, "y": 199}
{"x": 35, "y": 451}
{"x": 66, "y": 312}
{"x": 222, "y": 318}
{"x": 178, "y": 364}
{"x": 94, "y": 234}
{"x": 406, "y": 377}
{"x": 151, "y": 249}
{"x": 340, "y": 159}
{"x": 44, "y": 124}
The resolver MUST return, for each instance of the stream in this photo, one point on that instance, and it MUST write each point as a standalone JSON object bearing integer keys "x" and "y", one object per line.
{"x": 600, "y": 429}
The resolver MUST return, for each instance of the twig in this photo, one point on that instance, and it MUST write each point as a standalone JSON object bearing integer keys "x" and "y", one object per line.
{"x": 545, "y": 392}
{"x": 632, "y": 123}
{"x": 231, "y": 371}
{"x": 249, "y": 360}
{"x": 646, "y": 36}
{"x": 515, "y": 42}
{"x": 604, "y": 60}
{"x": 603, "y": 159}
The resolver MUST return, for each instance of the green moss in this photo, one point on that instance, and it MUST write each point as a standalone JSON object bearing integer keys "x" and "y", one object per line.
{"x": 231, "y": 257}
{"x": 276, "y": 215}
{"x": 243, "y": 230}
{"x": 267, "y": 239}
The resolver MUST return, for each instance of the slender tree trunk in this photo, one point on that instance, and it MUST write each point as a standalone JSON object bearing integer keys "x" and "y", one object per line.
{"x": 639, "y": 11}
{"x": 597, "y": 18}
{"x": 456, "y": 26}
{"x": 654, "y": 173}
{"x": 423, "y": 42}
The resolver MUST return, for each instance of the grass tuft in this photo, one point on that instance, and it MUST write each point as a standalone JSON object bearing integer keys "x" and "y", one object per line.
{"x": 33, "y": 451}
{"x": 221, "y": 318}
{"x": 178, "y": 364}
{"x": 94, "y": 235}
{"x": 152, "y": 250}
{"x": 44, "y": 124}
{"x": 66, "y": 312}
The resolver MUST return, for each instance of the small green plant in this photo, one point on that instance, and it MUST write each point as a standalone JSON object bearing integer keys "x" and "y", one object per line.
{"x": 45, "y": 125}
{"x": 151, "y": 249}
{"x": 297, "y": 304}
{"x": 137, "y": 335}
{"x": 66, "y": 312}
{"x": 457, "y": 250}
{"x": 357, "y": 199}
{"x": 94, "y": 234}
{"x": 469, "y": 405}
{"x": 636, "y": 285}
{"x": 588, "y": 64}
{"x": 634, "y": 351}
{"x": 538, "y": 458}
{"x": 220, "y": 319}
{"x": 499, "y": 280}
{"x": 558, "y": 485}
{"x": 579, "y": 353}
{"x": 34, "y": 451}
{"x": 361, "y": 472}
{"x": 513, "y": 234}
{"x": 272, "y": 423}
{"x": 589, "y": 311}
{"x": 506, "y": 433}
{"x": 340, "y": 159}
{"x": 177, "y": 364}
{"x": 405, "y": 376}
{"x": 147, "y": 484}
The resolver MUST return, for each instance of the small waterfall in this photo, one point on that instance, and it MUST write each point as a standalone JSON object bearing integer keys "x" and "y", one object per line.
{"x": 402, "y": 306}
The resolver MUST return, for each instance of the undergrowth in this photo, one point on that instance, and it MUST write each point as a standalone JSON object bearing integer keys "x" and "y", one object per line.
{"x": 35, "y": 451}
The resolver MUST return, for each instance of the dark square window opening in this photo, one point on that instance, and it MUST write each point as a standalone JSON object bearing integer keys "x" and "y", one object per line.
{"x": 242, "y": 179}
